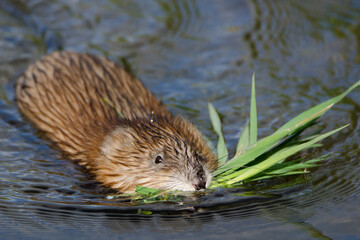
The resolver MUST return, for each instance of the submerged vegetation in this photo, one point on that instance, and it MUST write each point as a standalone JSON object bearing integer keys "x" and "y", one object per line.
{"x": 261, "y": 159}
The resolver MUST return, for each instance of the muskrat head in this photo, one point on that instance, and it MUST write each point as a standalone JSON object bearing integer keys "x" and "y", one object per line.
{"x": 162, "y": 154}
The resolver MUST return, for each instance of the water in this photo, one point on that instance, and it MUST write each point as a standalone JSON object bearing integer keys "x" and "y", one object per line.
{"x": 189, "y": 53}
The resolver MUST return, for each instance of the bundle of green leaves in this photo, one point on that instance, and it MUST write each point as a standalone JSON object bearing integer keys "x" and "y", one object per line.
{"x": 266, "y": 158}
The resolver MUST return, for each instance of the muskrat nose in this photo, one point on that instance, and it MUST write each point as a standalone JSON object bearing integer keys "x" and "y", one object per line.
{"x": 201, "y": 180}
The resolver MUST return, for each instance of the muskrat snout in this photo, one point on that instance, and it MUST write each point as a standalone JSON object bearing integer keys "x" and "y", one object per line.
{"x": 201, "y": 180}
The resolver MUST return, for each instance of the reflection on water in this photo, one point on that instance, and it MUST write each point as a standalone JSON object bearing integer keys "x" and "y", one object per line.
{"x": 189, "y": 53}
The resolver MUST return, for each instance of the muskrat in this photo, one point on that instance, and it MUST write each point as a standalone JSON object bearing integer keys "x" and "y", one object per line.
{"x": 63, "y": 96}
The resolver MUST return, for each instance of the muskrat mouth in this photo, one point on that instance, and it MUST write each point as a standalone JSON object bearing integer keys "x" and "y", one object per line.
{"x": 199, "y": 186}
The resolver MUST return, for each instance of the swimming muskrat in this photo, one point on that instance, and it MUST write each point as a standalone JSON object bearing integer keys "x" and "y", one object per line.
{"x": 63, "y": 96}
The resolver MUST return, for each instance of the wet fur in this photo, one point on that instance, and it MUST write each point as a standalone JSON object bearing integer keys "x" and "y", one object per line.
{"x": 63, "y": 96}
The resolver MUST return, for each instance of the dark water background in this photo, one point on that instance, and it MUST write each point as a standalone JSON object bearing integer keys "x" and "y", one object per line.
{"x": 189, "y": 53}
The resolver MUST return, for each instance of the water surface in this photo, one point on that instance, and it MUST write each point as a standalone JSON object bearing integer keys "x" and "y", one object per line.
{"x": 189, "y": 53}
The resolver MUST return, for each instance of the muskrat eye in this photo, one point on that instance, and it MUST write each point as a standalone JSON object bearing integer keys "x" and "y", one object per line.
{"x": 158, "y": 159}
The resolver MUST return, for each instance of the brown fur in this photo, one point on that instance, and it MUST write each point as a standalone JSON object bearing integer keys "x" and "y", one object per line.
{"x": 63, "y": 96}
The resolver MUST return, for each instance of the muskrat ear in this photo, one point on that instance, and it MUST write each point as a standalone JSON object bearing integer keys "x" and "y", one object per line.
{"x": 122, "y": 138}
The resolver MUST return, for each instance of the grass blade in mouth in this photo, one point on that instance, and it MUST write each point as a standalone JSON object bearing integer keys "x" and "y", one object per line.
{"x": 297, "y": 124}
{"x": 277, "y": 157}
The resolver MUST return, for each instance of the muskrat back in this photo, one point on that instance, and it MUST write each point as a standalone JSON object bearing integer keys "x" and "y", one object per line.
{"x": 75, "y": 99}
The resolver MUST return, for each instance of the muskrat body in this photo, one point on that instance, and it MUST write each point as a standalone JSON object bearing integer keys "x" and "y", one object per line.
{"x": 64, "y": 95}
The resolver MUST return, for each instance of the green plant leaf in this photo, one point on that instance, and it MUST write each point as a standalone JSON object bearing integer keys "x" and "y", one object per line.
{"x": 216, "y": 123}
{"x": 292, "y": 168}
{"x": 292, "y": 165}
{"x": 253, "y": 114}
{"x": 147, "y": 191}
{"x": 281, "y": 175}
{"x": 317, "y": 110}
{"x": 244, "y": 140}
{"x": 145, "y": 212}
